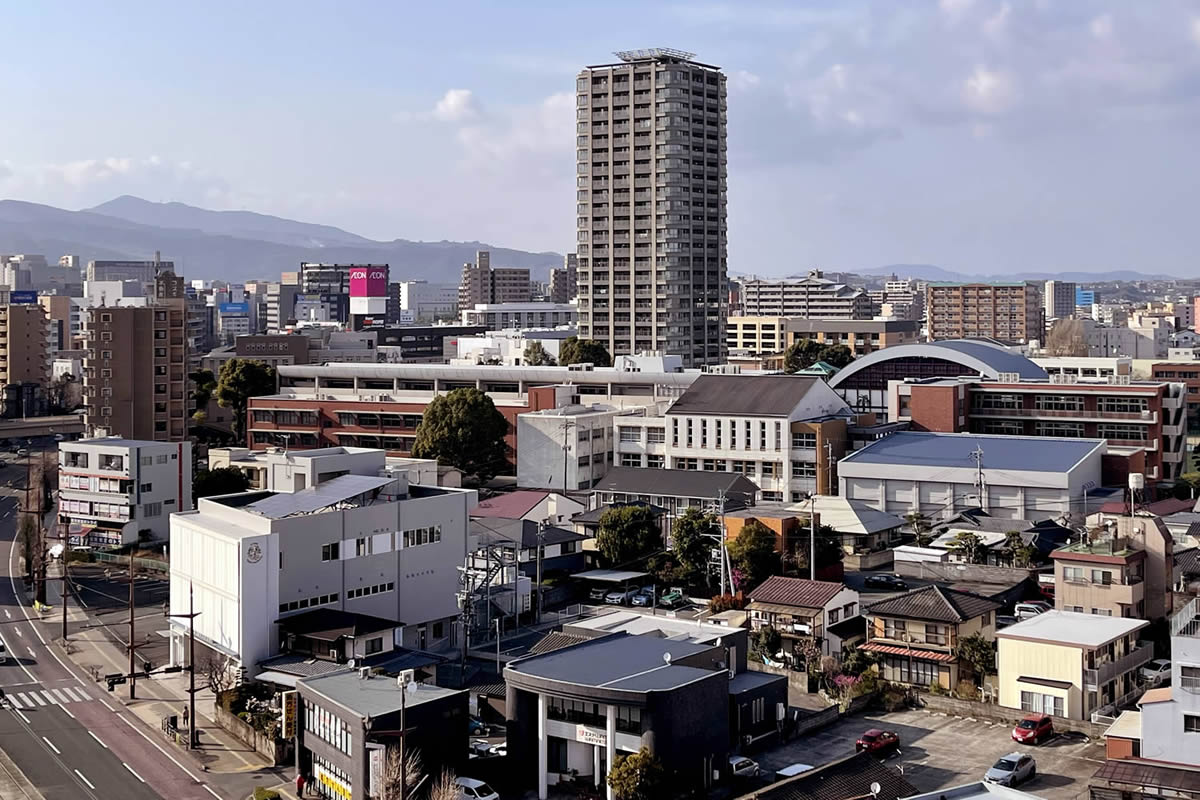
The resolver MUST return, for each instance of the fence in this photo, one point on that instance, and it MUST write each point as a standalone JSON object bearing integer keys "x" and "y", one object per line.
{"x": 144, "y": 564}
{"x": 279, "y": 751}
{"x": 989, "y": 711}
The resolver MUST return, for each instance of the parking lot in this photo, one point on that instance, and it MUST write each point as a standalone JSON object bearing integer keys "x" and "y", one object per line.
{"x": 937, "y": 752}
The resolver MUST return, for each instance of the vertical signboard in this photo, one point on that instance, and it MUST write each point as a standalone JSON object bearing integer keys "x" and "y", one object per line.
{"x": 290, "y": 702}
{"x": 368, "y": 289}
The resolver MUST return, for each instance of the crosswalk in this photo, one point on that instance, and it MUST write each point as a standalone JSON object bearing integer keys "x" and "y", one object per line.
{"x": 35, "y": 698}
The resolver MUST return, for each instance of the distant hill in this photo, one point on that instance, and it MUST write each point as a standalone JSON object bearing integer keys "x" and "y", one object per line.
{"x": 232, "y": 245}
{"x": 929, "y": 272}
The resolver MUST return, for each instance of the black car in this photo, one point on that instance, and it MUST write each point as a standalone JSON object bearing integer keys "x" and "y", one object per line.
{"x": 885, "y": 582}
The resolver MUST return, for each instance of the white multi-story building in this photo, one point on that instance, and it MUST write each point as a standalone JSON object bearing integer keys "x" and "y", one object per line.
{"x": 366, "y": 544}
{"x": 507, "y": 348}
{"x": 572, "y": 447}
{"x": 497, "y": 316}
{"x": 428, "y": 301}
{"x": 812, "y": 296}
{"x": 115, "y": 491}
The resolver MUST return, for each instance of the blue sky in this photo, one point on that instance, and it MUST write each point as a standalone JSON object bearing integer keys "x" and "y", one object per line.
{"x": 988, "y": 136}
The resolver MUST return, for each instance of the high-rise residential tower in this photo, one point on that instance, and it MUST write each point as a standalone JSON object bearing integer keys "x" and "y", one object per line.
{"x": 651, "y": 183}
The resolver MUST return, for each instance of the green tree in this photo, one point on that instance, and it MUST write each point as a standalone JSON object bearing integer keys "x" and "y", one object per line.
{"x": 639, "y": 776}
{"x": 463, "y": 429}
{"x": 240, "y": 380}
{"x": 204, "y": 383}
{"x": 979, "y": 652}
{"x": 536, "y": 356}
{"x": 628, "y": 534}
{"x": 920, "y": 528}
{"x": 574, "y": 350}
{"x": 967, "y": 546}
{"x": 1187, "y": 486}
{"x": 752, "y": 553}
{"x": 1020, "y": 554}
{"x": 222, "y": 480}
{"x": 829, "y": 548}
{"x": 691, "y": 541}
{"x": 766, "y": 641}
{"x": 803, "y": 353}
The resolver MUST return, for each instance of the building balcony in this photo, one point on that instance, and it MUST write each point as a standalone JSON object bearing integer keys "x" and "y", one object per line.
{"x": 1095, "y": 678}
{"x": 1082, "y": 415}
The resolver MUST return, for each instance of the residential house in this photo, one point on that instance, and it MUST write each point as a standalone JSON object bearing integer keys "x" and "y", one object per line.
{"x": 917, "y": 634}
{"x": 803, "y": 612}
{"x": 674, "y": 489}
{"x": 1125, "y": 571}
{"x": 1069, "y": 664}
{"x": 529, "y": 504}
{"x": 1043, "y": 537}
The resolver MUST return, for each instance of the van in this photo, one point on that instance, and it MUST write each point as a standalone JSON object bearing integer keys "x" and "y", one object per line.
{"x": 1030, "y": 609}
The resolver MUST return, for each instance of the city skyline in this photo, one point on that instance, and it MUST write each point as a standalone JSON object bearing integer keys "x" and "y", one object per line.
{"x": 984, "y": 137}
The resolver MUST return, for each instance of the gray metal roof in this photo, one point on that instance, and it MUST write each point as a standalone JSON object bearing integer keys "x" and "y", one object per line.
{"x": 537, "y": 376}
{"x": 620, "y": 661}
{"x": 316, "y": 497}
{"x": 371, "y": 697}
{"x": 677, "y": 483}
{"x": 979, "y": 357}
{"x": 934, "y": 603}
{"x": 1024, "y": 453}
{"x": 743, "y": 395}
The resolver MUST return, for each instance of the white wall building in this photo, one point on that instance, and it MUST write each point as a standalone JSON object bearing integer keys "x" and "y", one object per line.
{"x": 280, "y": 470}
{"x": 497, "y": 316}
{"x": 115, "y": 491}
{"x": 938, "y": 474}
{"x": 428, "y": 301}
{"x": 371, "y": 545}
{"x": 508, "y": 347}
{"x": 571, "y": 447}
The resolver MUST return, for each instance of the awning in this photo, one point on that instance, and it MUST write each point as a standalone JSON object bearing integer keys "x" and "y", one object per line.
{"x": 893, "y": 650}
{"x": 1047, "y": 682}
{"x": 781, "y": 608}
{"x": 277, "y": 678}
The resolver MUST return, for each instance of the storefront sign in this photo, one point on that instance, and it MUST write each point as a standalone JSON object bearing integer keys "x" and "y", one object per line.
{"x": 591, "y": 736}
{"x": 289, "y": 714}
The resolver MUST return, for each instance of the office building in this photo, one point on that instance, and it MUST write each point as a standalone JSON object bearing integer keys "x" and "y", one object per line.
{"x": 1059, "y": 299}
{"x": 813, "y": 296}
{"x": 569, "y": 447}
{"x": 281, "y": 305}
{"x": 136, "y": 365}
{"x": 115, "y": 491}
{"x": 501, "y": 316}
{"x": 428, "y": 302}
{"x": 360, "y": 543}
{"x": 938, "y": 474}
{"x": 140, "y": 272}
{"x": 1006, "y": 312}
{"x": 481, "y": 283}
{"x": 24, "y": 358}
{"x": 564, "y": 280}
{"x": 651, "y": 205}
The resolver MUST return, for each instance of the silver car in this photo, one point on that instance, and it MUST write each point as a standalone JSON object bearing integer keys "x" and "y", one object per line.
{"x": 1014, "y": 768}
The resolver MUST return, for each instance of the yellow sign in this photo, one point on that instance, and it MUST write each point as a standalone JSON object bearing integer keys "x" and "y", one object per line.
{"x": 289, "y": 714}
{"x": 333, "y": 784}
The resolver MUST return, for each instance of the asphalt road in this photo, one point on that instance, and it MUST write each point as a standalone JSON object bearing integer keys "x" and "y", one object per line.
{"x": 56, "y": 725}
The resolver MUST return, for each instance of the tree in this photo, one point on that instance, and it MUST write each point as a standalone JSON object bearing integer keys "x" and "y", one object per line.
{"x": 574, "y": 350}
{"x": 222, "y": 480}
{"x": 218, "y": 671}
{"x": 836, "y": 355}
{"x": 536, "y": 356}
{"x": 240, "y": 380}
{"x": 766, "y": 641}
{"x": 979, "y": 652}
{"x": 403, "y": 771}
{"x": 28, "y": 542}
{"x": 1068, "y": 337}
{"x": 1020, "y": 554}
{"x": 752, "y": 553}
{"x": 58, "y": 391}
{"x": 628, "y": 534}
{"x": 638, "y": 776}
{"x": 967, "y": 546}
{"x": 920, "y": 528}
{"x": 463, "y": 429}
{"x": 829, "y": 548}
{"x": 204, "y": 383}
{"x": 803, "y": 353}
{"x": 691, "y": 542}
{"x": 1185, "y": 488}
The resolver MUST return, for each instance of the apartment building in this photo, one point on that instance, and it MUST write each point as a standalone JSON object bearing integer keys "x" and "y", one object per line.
{"x": 24, "y": 358}
{"x": 426, "y": 302}
{"x": 1070, "y": 665}
{"x": 1006, "y": 312}
{"x": 360, "y": 543}
{"x": 480, "y": 283}
{"x": 903, "y": 299}
{"x": 1126, "y": 569}
{"x": 564, "y": 280}
{"x": 135, "y": 367}
{"x": 784, "y": 432}
{"x": 1133, "y": 416}
{"x": 115, "y": 491}
{"x": 651, "y": 205}
{"x": 571, "y": 447}
{"x": 862, "y": 337}
{"x": 756, "y": 335}
{"x": 499, "y": 316}
{"x": 813, "y": 296}
{"x": 1059, "y": 299}
{"x": 1170, "y": 716}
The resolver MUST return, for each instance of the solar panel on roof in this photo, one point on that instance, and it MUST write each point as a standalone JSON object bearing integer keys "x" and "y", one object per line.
{"x": 317, "y": 497}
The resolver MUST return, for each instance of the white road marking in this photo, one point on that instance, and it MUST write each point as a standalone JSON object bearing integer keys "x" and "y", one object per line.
{"x": 57, "y": 752}
{"x": 19, "y": 700}
{"x": 18, "y": 630}
{"x": 139, "y": 777}
{"x": 8, "y": 613}
{"x": 68, "y": 713}
{"x": 74, "y": 694}
{"x": 31, "y": 653}
{"x": 51, "y": 698}
{"x": 97, "y": 738}
{"x": 174, "y": 760}
{"x": 210, "y": 791}
{"x": 85, "y": 780}
{"x": 62, "y": 697}
{"x": 24, "y": 718}
{"x": 37, "y": 698}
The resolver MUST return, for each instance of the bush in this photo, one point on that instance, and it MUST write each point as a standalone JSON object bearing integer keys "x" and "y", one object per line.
{"x": 893, "y": 698}
{"x": 265, "y": 794}
{"x": 726, "y": 602}
{"x": 938, "y": 689}
{"x": 967, "y": 690}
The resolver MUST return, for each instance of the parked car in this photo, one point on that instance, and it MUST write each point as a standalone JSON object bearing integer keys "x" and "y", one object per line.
{"x": 479, "y": 747}
{"x": 644, "y": 597}
{"x": 498, "y": 749}
{"x": 743, "y": 767}
{"x": 597, "y": 592}
{"x": 471, "y": 789}
{"x": 3, "y": 463}
{"x": 477, "y": 727}
{"x": 1014, "y": 768}
{"x": 58, "y": 437}
{"x": 672, "y": 598}
{"x": 878, "y": 742}
{"x": 1004, "y": 620}
{"x": 3, "y": 652}
{"x": 1031, "y": 608}
{"x": 1034, "y": 729}
{"x": 619, "y": 597}
{"x": 892, "y": 582}
{"x": 1156, "y": 671}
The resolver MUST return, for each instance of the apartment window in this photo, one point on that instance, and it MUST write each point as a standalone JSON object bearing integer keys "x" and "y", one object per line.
{"x": 145, "y": 487}
{"x": 106, "y": 317}
{"x": 439, "y": 630}
{"x": 152, "y": 510}
{"x": 1038, "y": 703}
{"x": 374, "y": 645}
{"x": 1189, "y": 679}
{"x": 834, "y": 614}
{"x": 420, "y": 536}
{"x": 1191, "y": 723}
{"x": 936, "y": 634}
{"x": 362, "y": 546}
{"x": 804, "y": 469}
{"x": 1073, "y": 574}
{"x": 1102, "y": 576}
{"x": 656, "y": 462}
{"x": 630, "y": 434}
{"x": 656, "y": 435}
{"x": 1058, "y": 402}
{"x": 804, "y": 440}
{"x": 631, "y": 459}
{"x": 1102, "y": 612}
{"x": 329, "y": 552}
{"x": 160, "y": 459}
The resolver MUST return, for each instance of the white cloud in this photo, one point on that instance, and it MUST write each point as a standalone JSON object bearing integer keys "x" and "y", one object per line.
{"x": 742, "y": 81}
{"x": 1101, "y": 27}
{"x": 954, "y": 10}
{"x": 87, "y": 182}
{"x": 990, "y": 91}
{"x": 996, "y": 26}
{"x": 520, "y": 134}
{"x": 456, "y": 105}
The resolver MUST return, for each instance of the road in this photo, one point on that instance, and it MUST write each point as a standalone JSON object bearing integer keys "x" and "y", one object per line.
{"x": 58, "y": 727}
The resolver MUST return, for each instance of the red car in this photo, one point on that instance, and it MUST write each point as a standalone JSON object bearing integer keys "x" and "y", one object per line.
{"x": 877, "y": 742}
{"x": 1034, "y": 729}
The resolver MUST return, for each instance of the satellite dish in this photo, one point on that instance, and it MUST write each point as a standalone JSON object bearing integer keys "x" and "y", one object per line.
{"x": 667, "y": 658}
{"x": 350, "y": 663}
{"x": 875, "y": 787}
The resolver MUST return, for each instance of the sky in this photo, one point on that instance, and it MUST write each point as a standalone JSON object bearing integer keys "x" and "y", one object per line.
{"x": 984, "y": 136}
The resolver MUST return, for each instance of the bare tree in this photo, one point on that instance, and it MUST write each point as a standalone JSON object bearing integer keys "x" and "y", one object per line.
{"x": 445, "y": 787}
{"x": 407, "y": 770}
{"x": 217, "y": 670}
{"x": 1067, "y": 337}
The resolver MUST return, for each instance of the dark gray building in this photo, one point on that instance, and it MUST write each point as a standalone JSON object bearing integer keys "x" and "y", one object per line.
{"x": 348, "y": 719}
{"x": 688, "y": 699}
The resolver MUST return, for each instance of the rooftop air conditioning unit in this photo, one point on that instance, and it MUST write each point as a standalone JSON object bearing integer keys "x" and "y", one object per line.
{"x": 1009, "y": 377}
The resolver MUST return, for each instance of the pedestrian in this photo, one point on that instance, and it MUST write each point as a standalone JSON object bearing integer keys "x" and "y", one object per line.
{"x": 299, "y": 784}
{"x": 185, "y": 716}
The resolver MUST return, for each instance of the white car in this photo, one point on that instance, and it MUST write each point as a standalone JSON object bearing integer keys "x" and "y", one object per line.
{"x": 743, "y": 767}
{"x": 3, "y": 652}
{"x": 1030, "y": 608}
{"x": 471, "y": 789}
{"x": 1156, "y": 672}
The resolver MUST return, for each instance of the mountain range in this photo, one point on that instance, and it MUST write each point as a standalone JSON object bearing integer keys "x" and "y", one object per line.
{"x": 232, "y": 245}
{"x": 929, "y": 272}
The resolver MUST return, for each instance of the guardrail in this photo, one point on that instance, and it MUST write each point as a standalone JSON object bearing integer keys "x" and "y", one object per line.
{"x": 147, "y": 564}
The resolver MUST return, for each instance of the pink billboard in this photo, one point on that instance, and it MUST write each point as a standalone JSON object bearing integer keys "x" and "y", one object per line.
{"x": 369, "y": 281}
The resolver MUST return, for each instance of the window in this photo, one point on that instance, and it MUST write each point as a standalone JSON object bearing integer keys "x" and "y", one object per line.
{"x": 1191, "y": 723}
{"x": 894, "y": 629}
{"x": 631, "y": 459}
{"x": 145, "y": 487}
{"x": 1122, "y": 405}
{"x": 768, "y": 469}
{"x": 375, "y": 645}
{"x": 420, "y": 536}
{"x": 656, "y": 435}
{"x": 439, "y": 630}
{"x": 556, "y": 754}
{"x": 803, "y": 469}
{"x": 806, "y": 441}
{"x": 656, "y": 462}
{"x": 1102, "y": 576}
{"x": 1121, "y": 432}
{"x": 630, "y": 434}
{"x": 1058, "y": 402}
{"x": 1042, "y": 703}
{"x": 147, "y": 460}
{"x": 160, "y": 459}
{"x": 329, "y": 552}
{"x": 152, "y": 510}
{"x": 1073, "y": 574}
{"x": 362, "y": 546}
{"x": 834, "y": 613}
{"x": 936, "y": 634}
{"x": 629, "y": 719}
{"x": 1102, "y": 612}
{"x": 1189, "y": 679}
{"x": 849, "y": 609}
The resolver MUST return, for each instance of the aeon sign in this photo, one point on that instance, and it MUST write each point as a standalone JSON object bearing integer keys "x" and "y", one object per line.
{"x": 369, "y": 289}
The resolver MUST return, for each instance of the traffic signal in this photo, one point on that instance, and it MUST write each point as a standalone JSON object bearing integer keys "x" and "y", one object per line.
{"x": 114, "y": 679}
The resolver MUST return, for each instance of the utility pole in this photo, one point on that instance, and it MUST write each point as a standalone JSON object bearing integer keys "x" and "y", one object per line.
{"x": 977, "y": 455}
{"x": 812, "y": 537}
{"x": 566, "y": 445}
{"x": 498, "y": 623}
{"x": 132, "y": 610}
{"x": 541, "y": 546}
{"x": 191, "y": 618}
